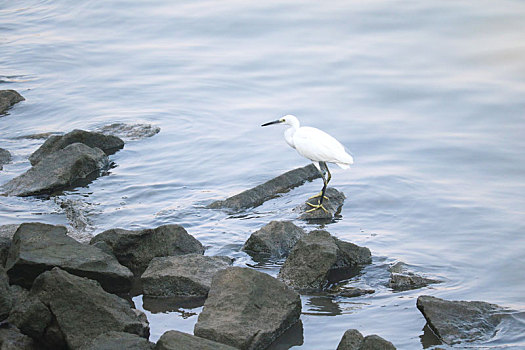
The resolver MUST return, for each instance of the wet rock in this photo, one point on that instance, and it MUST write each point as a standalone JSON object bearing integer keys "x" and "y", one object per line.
{"x": 77, "y": 213}
{"x": 319, "y": 259}
{"x": 354, "y": 340}
{"x": 268, "y": 190}
{"x": 119, "y": 341}
{"x": 175, "y": 340}
{"x": 130, "y": 131}
{"x": 38, "y": 136}
{"x": 276, "y": 239}
{"x": 12, "y": 339}
{"x": 184, "y": 275}
{"x": 135, "y": 249}
{"x": 333, "y": 206}
{"x": 460, "y": 321}
{"x": 9, "y": 98}
{"x": 5, "y": 295}
{"x": 350, "y": 292}
{"x": 5, "y": 157}
{"x": 107, "y": 143}
{"x": 83, "y": 310}
{"x": 30, "y": 316}
{"x": 405, "y": 281}
{"x": 247, "y": 309}
{"x": 39, "y": 247}
{"x": 67, "y": 168}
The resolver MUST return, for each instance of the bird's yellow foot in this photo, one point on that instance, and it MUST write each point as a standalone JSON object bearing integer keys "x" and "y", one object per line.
{"x": 318, "y": 195}
{"x": 315, "y": 207}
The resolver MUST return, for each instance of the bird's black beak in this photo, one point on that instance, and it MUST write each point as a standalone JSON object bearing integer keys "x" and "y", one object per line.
{"x": 270, "y": 123}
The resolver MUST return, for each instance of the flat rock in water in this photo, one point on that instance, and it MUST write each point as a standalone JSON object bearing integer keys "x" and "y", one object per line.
{"x": 135, "y": 249}
{"x": 9, "y": 98}
{"x": 39, "y": 247}
{"x": 333, "y": 206}
{"x": 247, "y": 309}
{"x": 107, "y": 143}
{"x": 5, "y": 157}
{"x": 83, "y": 310}
{"x": 268, "y": 190}
{"x": 406, "y": 281}
{"x": 184, "y": 275}
{"x": 130, "y": 131}
{"x": 460, "y": 321}
{"x": 275, "y": 239}
{"x": 63, "y": 169}
{"x": 175, "y": 340}
{"x": 354, "y": 340}
{"x": 319, "y": 259}
{"x": 119, "y": 341}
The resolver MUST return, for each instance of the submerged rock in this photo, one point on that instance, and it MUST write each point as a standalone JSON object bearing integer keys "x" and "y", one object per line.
{"x": 9, "y": 98}
{"x": 107, "y": 143}
{"x": 247, "y": 309}
{"x": 333, "y": 206}
{"x": 268, "y": 190}
{"x": 5, "y": 157}
{"x": 130, "y": 131}
{"x": 405, "y": 281}
{"x": 184, "y": 275}
{"x": 39, "y": 247}
{"x": 354, "y": 340}
{"x": 83, "y": 310}
{"x": 175, "y": 340}
{"x": 66, "y": 168}
{"x": 119, "y": 341}
{"x": 319, "y": 259}
{"x": 460, "y": 321}
{"x": 275, "y": 239}
{"x": 135, "y": 249}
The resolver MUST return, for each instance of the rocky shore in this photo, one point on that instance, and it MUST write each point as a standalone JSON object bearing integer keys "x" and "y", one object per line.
{"x": 58, "y": 293}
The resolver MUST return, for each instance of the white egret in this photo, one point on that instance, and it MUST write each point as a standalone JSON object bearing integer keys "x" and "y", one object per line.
{"x": 317, "y": 146}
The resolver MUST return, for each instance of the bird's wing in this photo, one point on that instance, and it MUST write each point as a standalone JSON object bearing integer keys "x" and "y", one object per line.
{"x": 317, "y": 145}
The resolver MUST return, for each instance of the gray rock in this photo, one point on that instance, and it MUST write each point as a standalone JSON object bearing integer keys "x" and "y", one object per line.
{"x": 349, "y": 292}
{"x": 175, "y": 340}
{"x": 6, "y": 301}
{"x": 39, "y": 247}
{"x": 5, "y": 157}
{"x": 247, "y": 309}
{"x": 67, "y": 168}
{"x": 83, "y": 310}
{"x": 184, "y": 275}
{"x": 276, "y": 239}
{"x": 135, "y": 249}
{"x": 354, "y": 340}
{"x": 12, "y": 339}
{"x": 107, "y": 143}
{"x": 5, "y": 245}
{"x": 119, "y": 341}
{"x": 31, "y": 316}
{"x": 405, "y": 281}
{"x": 319, "y": 258}
{"x": 9, "y": 98}
{"x": 130, "y": 131}
{"x": 460, "y": 321}
{"x": 268, "y": 190}
{"x": 333, "y": 206}
{"x": 8, "y": 230}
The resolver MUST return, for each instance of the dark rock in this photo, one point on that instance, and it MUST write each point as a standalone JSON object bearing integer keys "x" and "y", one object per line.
{"x": 9, "y": 98}
{"x": 350, "y": 292}
{"x": 247, "y": 309}
{"x": 12, "y": 339}
{"x": 6, "y": 301}
{"x": 83, "y": 310}
{"x": 130, "y": 131}
{"x": 405, "y": 281}
{"x": 5, "y": 244}
{"x": 268, "y": 190}
{"x": 5, "y": 157}
{"x": 276, "y": 239}
{"x": 319, "y": 259}
{"x": 175, "y": 340}
{"x": 119, "y": 341}
{"x": 31, "y": 316}
{"x": 458, "y": 321}
{"x": 69, "y": 167}
{"x": 333, "y": 206}
{"x": 39, "y": 247}
{"x": 107, "y": 143}
{"x": 354, "y": 340}
{"x": 184, "y": 275}
{"x": 135, "y": 249}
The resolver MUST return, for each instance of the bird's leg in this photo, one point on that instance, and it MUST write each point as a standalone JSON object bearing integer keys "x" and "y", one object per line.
{"x": 323, "y": 166}
{"x": 322, "y": 196}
